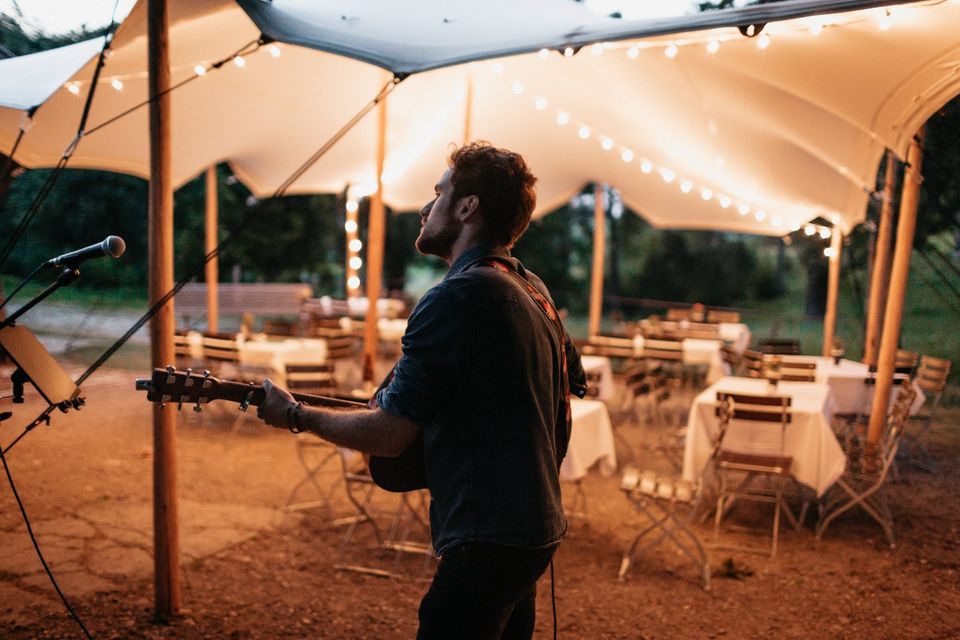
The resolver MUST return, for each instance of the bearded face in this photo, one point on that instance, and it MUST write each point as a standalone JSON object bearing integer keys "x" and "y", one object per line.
{"x": 439, "y": 226}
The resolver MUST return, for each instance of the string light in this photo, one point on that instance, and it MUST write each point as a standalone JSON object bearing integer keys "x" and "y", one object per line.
{"x": 633, "y": 52}
{"x": 816, "y": 30}
{"x": 713, "y": 46}
{"x": 885, "y": 22}
{"x": 350, "y": 226}
{"x": 355, "y": 245}
{"x": 829, "y": 252}
{"x": 541, "y": 103}
{"x": 356, "y": 262}
{"x": 809, "y": 230}
{"x": 760, "y": 216}
{"x": 240, "y": 62}
{"x": 568, "y": 52}
{"x": 706, "y": 194}
{"x": 606, "y": 143}
{"x": 543, "y": 53}
{"x": 352, "y": 205}
{"x": 73, "y": 88}
{"x": 725, "y": 202}
{"x": 200, "y": 70}
{"x": 627, "y": 155}
{"x": 763, "y": 41}
{"x": 597, "y": 49}
{"x": 824, "y": 232}
{"x": 743, "y": 209}
{"x": 646, "y": 166}
{"x": 671, "y": 50}
{"x": 667, "y": 175}
{"x": 686, "y": 186}
{"x": 562, "y": 118}
{"x": 795, "y": 227}
{"x": 353, "y": 282}
{"x": 274, "y": 51}
{"x": 584, "y": 132}
{"x": 517, "y": 88}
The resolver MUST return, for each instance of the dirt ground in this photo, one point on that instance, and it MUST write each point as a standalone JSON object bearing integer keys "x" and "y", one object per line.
{"x": 260, "y": 571}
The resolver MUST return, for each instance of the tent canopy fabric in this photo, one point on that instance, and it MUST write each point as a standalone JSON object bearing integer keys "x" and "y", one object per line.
{"x": 697, "y": 128}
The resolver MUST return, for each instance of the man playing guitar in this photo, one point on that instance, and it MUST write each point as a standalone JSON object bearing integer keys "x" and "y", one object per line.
{"x": 481, "y": 393}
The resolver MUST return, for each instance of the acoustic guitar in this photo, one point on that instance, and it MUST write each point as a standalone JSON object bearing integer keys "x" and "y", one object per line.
{"x": 405, "y": 472}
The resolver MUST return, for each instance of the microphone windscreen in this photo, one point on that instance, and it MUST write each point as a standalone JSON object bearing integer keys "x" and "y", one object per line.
{"x": 114, "y": 246}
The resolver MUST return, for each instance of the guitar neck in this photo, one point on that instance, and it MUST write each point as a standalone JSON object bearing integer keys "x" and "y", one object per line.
{"x": 238, "y": 392}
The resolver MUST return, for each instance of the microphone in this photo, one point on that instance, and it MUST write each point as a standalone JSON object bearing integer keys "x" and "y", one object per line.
{"x": 112, "y": 246}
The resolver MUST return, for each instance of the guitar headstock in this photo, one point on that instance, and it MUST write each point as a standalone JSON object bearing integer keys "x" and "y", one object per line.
{"x": 183, "y": 387}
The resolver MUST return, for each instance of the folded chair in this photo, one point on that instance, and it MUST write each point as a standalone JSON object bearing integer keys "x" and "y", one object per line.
{"x": 758, "y": 470}
{"x": 931, "y": 377}
{"x": 866, "y": 473}
{"x": 313, "y": 453}
{"x": 780, "y": 346}
{"x": 669, "y": 504}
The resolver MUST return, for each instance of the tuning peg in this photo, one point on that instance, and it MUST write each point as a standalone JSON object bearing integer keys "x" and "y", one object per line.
{"x": 245, "y": 403}
{"x": 197, "y": 408}
{"x": 180, "y": 403}
{"x": 171, "y": 369}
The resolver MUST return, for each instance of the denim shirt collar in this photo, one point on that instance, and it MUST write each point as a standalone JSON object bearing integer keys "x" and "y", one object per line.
{"x": 470, "y": 256}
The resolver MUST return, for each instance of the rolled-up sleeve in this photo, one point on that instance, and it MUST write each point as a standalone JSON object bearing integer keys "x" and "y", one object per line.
{"x": 424, "y": 376}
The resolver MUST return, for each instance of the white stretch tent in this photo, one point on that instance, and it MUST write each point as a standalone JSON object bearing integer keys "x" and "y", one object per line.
{"x": 699, "y": 127}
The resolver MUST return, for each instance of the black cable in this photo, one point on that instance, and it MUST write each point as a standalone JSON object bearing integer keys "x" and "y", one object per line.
{"x": 553, "y": 600}
{"x": 36, "y": 547}
{"x": 8, "y": 164}
{"x": 20, "y": 286}
{"x": 232, "y": 235}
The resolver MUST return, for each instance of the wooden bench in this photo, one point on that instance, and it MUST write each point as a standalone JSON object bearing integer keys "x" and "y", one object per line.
{"x": 235, "y": 298}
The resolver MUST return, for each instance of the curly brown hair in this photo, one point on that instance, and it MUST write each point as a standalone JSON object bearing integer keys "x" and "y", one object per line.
{"x": 502, "y": 182}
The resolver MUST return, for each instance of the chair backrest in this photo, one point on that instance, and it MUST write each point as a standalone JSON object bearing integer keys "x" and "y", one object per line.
{"x": 221, "y": 347}
{"x": 730, "y": 356}
{"x": 754, "y": 410}
{"x": 906, "y": 362}
{"x": 784, "y": 346}
{"x": 932, "y": 376}
{"x": 273, "y": 327}
{"x": 795, "y": 371}
{"x": 679, "y": 314}
{"x": 716, "y": 315}
{"x": 752, "y": 362}
{"x": 664, "y": 350}
{"x": 317, "y": 379}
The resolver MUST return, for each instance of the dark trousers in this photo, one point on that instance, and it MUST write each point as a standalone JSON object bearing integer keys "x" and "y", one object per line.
{"x": 484, "y": 591}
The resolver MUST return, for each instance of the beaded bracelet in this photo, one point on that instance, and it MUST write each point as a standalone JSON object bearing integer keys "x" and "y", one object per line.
{"x": 293, "y": 418}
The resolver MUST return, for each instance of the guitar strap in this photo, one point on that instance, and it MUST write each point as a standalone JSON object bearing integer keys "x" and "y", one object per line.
{"x": 553, "y": 318}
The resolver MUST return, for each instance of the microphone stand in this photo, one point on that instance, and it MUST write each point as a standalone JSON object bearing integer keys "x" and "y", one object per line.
{"x": 66, "y": 277}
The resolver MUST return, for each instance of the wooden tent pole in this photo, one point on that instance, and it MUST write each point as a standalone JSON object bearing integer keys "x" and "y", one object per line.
{"x": 833, "y": 290}
{"x": 893, "y": 315}
{"x": 880, "y": 275}
{"x": 376, "y": 233}
{"x": 596, "y": 275}
{"x": 160, "y": 268}
{"x": 210, "y": 243}
{"x": 468, "y": 112}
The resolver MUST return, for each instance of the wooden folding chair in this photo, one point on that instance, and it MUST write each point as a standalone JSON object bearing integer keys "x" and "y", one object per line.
{"x": 670, "y": 505}
{"x": 716, "y": 315}
{"x": 740, "y": 471}
{"x": 313, "y": 453}
{"x": 867, "y": 472}
{"x": 931, "y": 376}
{"x": 780, "y": 346}
{"x": 794, "y": 371}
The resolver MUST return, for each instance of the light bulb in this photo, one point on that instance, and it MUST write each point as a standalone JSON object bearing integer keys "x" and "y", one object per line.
{"x": 627, "y": 155}
{"x": 543, "y": 53}
{"x": 713, "y": 46}
{"x": 356, "y": 245}
{"x": 352, "y": 205}
{"x": 633, "y": 52}
{"x": 760, "y": 216}
{"x": 824, "y": 233}
{"x": 275, "y": 51}
{"x": 706, "y": 194}
{"x": 200, "y": 70}
{"x": 541, "y": 103}
{"x": 353, "y": 282}
{"x": 686, "y": 186}
{"x": 744, "y": 209}
{"x": 646, "y": 166}
{"x": 240, "y": 62}
{"x": 809, "y": 230}
{"x": 356, "y": 262}
{"x": 517, "y": 88}
{"x": 562, "y": 118}
{"x": 671, "y": 51}
{"x": 606, "y": 143}
{"x": 763, "y": 41}
{"x": 117, "y": 84}
{"x": 350, "y": 226}
{"x": 667, "y": 175}
{"x": 816, "y": 30}
{"x": 725, "y": 202}
{"x": 584, "y": 132}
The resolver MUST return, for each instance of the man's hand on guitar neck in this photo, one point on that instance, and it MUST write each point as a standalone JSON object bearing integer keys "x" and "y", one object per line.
{"x": 277, "y": 406}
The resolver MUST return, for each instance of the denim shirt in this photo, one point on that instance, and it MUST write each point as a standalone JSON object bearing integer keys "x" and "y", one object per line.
{"x": 481, "y": 373}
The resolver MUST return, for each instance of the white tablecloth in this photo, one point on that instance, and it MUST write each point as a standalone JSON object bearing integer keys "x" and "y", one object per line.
{"x": 846, "y": 381}
{"x": 591, "y": 441}
{"x": 704, "y": 352}
{"x": 276, "y": 354}
{"x": 818, "y": 459}
{"x": 736, "y": 333}
{"x": 601, "y": 365}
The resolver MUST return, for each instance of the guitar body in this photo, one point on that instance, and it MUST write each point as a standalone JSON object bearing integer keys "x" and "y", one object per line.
{"x": 406, "y": 472}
